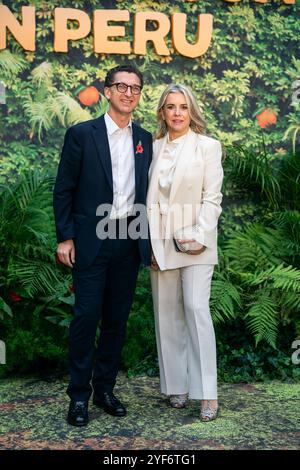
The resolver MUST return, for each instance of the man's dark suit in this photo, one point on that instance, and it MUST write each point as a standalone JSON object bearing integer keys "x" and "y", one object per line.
{"x": 105, "y": 271}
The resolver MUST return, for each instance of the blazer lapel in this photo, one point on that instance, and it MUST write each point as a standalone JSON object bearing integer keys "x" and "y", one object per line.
{"x": 138, "y": 156}
{"x": 184, "y": 158}
{"x": 102, "y": 145}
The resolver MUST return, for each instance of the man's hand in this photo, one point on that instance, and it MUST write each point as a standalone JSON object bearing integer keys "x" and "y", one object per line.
{"x": 198, "y": 251}
{"x": 66, "y": 252}
{"x": 154, "y": 264}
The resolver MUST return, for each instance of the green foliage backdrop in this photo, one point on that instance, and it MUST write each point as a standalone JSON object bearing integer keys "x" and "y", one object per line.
{"x": 250, "y": 66}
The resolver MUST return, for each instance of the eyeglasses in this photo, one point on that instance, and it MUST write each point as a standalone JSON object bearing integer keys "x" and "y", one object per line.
{"x": 122, "y": 88}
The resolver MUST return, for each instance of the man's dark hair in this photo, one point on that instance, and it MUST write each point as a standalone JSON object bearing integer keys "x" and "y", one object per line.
{"x": 109, "y": 79}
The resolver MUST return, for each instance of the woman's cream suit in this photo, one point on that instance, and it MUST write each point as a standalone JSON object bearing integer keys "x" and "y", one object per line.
{"x": 181, "y": 288}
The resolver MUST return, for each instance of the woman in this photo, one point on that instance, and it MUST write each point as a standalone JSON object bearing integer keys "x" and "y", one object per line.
{"x": 183, "y": 207}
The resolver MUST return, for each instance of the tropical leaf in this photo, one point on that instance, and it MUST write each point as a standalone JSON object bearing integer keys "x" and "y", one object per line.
{"x": 29, "y": 194}
{"x": 44, "y": 114}
{"x": 224, "y": 301}
{"x": 255, "y": 169}
{"x": 262, "y": 318}
{"x": 289, "y": 180}
{"x": 254, "y": 248}
{"x": 36, "y": 276}
{"x": 10, "y": 63}
{"x": 293, "y": 130}
{"x": 289, "y": 219}
{"x": 289, "y": 223}
{"x": 67, "y": 109}
{"x": 282, "y": 277}
{"x": 38, "y": 114}
{"x": 42, "y": 74}
{"x": 4, "y": 308}
{"x": 290, "y": 302}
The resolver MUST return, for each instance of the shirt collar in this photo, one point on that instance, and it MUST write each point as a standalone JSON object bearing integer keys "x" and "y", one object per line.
{"x": 112, "y": 127}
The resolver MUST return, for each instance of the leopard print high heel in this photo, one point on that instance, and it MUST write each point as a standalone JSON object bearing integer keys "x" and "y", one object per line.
{"x": 179, "y": 401}
{"x": 208, "y": 412}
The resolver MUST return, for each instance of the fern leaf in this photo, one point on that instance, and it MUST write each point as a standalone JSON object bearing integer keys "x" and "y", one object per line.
{"x": 35, "y": 276}
{"x": 254, "y": 248}
{"x": 262, "y": 318}
{"x": 283, "y": 277}
{"x": 225, "y": 297}
{"x": 255, "y": 169}
{"x": 290, "y": 301}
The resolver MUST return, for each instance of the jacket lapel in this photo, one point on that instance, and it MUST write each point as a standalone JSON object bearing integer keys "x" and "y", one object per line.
{"x": 138, "y": 157}
{"x": 158, "y": 149}
{"x": 102, "y": 145}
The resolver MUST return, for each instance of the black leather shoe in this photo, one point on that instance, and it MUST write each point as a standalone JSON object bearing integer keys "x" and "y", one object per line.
{"x": 110, "y": 404}
{"x": 78, "y": 413}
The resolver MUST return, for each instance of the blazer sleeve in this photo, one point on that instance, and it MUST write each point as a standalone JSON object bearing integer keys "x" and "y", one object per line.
{"x": 210, "y": 209}
{"x": 65, "y": 186}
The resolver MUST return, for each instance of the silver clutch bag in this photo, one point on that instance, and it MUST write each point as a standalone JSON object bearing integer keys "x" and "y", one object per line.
{"x": 185, "y": 234}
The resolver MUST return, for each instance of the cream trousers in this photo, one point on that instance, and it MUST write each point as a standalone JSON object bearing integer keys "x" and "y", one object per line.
{"x": 184, "y": 331}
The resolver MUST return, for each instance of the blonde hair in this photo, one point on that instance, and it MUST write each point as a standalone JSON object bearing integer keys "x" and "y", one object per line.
{"x": 197, "y": 124}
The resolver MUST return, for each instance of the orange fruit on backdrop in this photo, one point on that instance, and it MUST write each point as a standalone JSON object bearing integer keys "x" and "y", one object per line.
{"x": 89, "y": 96}
{"x": 266, "y": 118}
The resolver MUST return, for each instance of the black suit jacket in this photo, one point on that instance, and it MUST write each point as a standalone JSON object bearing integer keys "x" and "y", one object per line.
{"x": 84, "y": 181}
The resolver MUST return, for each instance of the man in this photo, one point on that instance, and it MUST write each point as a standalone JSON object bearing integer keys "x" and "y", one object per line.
{"x": 104, "y": 163}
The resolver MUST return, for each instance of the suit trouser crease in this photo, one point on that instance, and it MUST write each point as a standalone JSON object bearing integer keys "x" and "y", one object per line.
{"x": 184, "y": 331}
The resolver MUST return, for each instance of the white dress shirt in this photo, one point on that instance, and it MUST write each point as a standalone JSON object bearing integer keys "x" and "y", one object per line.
{"x": 123, "y": 170}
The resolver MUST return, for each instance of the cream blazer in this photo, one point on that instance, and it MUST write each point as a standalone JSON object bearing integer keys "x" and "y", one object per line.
{"x": 194, "y": 203}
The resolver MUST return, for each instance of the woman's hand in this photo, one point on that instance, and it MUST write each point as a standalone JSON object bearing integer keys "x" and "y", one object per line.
{"x": 154, "y": 264}
{"x": 198, "y": 251}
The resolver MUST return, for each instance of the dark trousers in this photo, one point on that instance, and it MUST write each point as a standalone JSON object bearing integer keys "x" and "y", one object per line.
{"x": 103, "y": 293}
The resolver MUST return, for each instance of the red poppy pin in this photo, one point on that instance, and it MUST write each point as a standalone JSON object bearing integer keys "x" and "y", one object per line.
{"x": 139, "y": 148}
